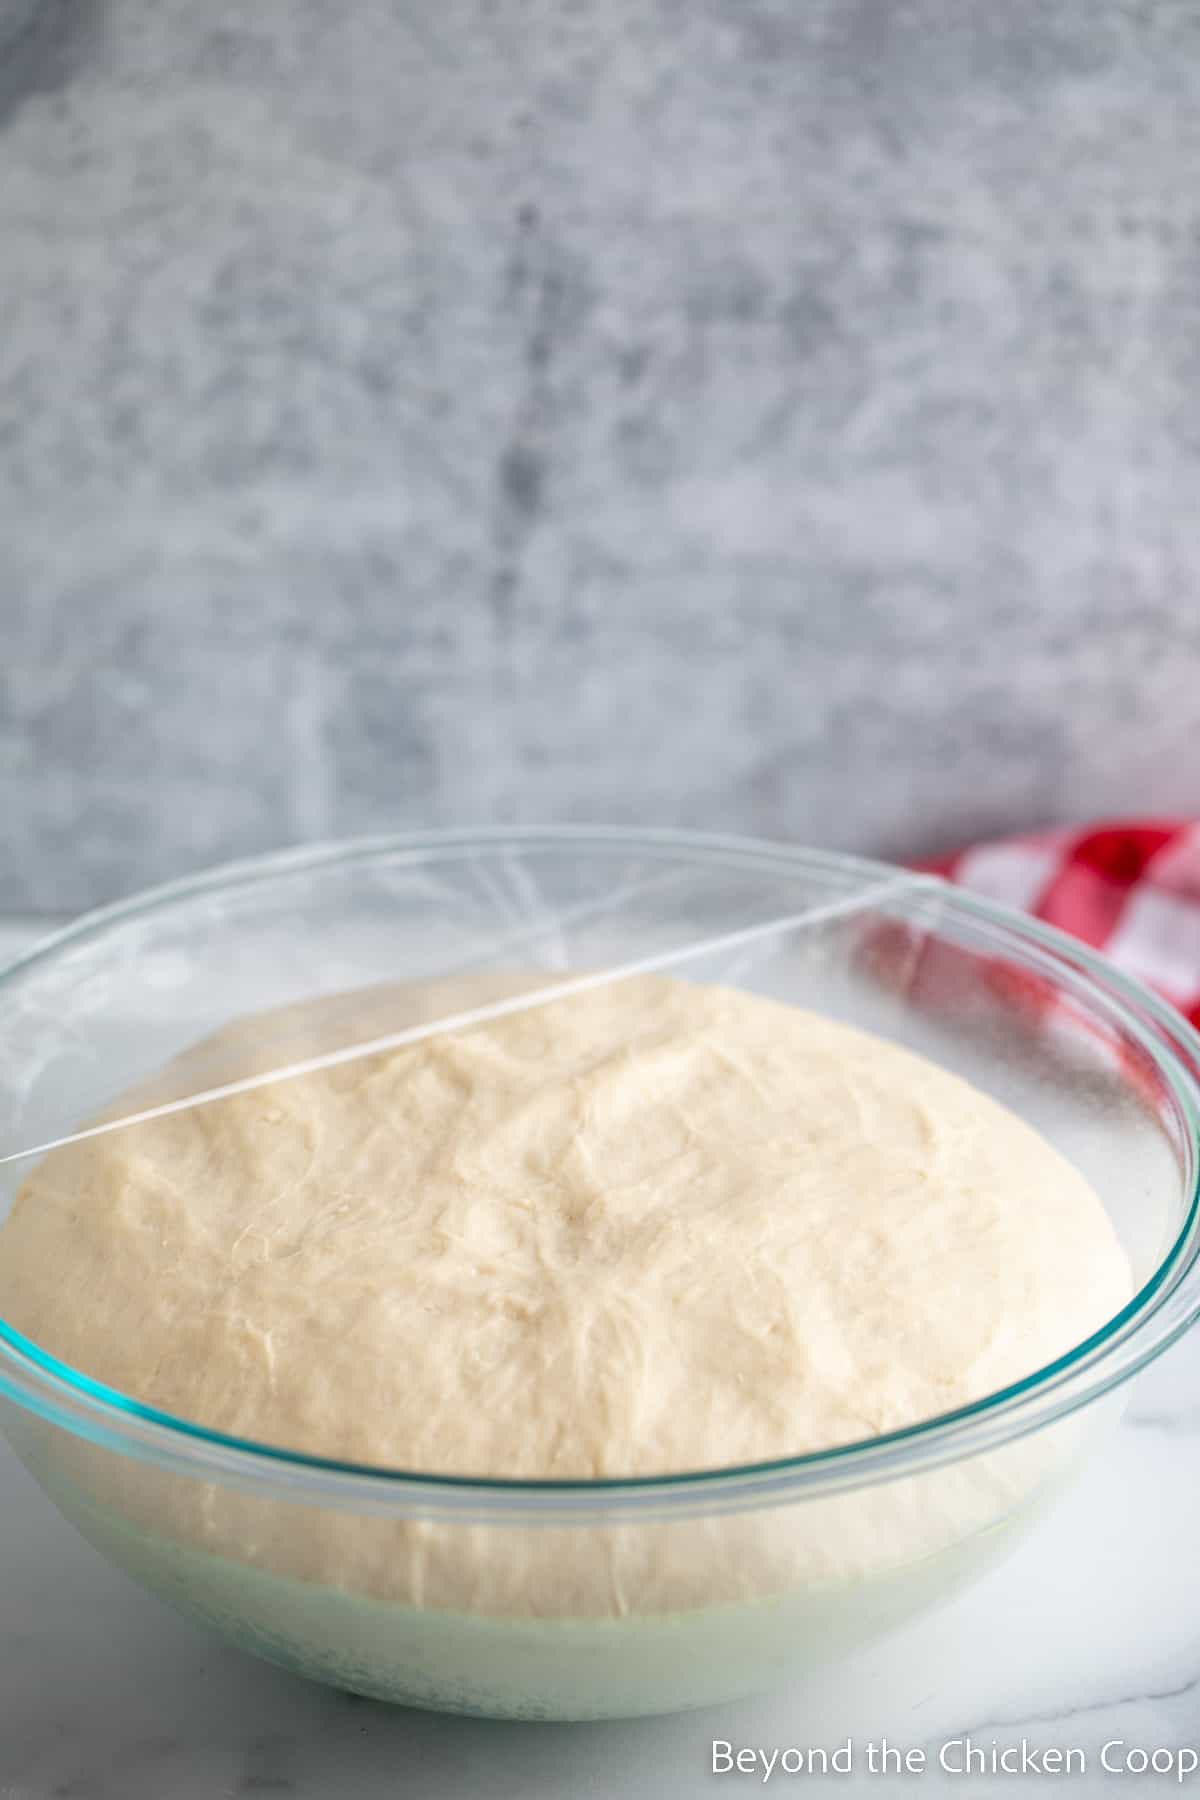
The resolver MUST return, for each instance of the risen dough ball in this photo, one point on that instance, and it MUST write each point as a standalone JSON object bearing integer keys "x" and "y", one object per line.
{"x": 649, "y": 1227}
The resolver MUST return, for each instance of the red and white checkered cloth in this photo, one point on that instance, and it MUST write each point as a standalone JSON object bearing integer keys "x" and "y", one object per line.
{"x": 1129, "y": 889}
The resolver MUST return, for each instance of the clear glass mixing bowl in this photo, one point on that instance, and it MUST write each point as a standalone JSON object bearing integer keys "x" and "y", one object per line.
{"x": 588, "y": 1599}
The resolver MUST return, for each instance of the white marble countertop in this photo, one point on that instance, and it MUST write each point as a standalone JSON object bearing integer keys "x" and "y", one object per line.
{"x": 1091, "y": 1632}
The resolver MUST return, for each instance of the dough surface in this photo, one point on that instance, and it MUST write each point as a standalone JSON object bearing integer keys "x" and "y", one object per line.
{"x": 650, "y": 1227}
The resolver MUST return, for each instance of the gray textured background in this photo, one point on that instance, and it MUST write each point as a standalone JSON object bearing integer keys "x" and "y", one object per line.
{"x": 780, "y": 415}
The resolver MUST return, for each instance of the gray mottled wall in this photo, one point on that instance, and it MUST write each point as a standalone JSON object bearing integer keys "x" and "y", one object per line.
{"x": 768, "y": 415}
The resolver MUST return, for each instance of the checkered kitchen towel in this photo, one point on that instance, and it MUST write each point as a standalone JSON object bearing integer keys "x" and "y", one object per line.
{"x": 1129, "y": 889}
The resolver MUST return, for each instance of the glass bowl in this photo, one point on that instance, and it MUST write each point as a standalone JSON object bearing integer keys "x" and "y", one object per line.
{"x": 592, "y": 1599}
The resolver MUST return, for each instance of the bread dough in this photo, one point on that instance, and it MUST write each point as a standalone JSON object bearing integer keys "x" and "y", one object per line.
{"x": 650, "y": 1227}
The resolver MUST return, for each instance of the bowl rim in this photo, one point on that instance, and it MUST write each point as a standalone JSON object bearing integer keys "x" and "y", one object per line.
{"x": 1162, "y": 1309}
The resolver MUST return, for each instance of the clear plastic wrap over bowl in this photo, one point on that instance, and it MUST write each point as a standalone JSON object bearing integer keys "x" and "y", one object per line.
{"x": 594, "y": 1598}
